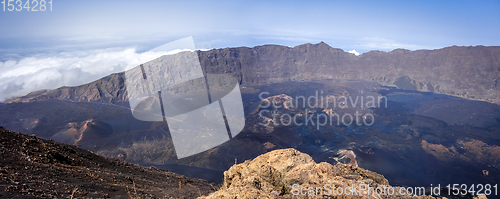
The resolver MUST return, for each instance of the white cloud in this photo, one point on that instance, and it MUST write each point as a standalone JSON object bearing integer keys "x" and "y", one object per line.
{"x": 354, "y": 52}
{"x": 20, "y": 77}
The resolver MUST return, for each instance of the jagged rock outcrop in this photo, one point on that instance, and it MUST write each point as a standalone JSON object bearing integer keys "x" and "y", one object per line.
{"x": 468, "y": 72}
{"x": 283, "y": 173}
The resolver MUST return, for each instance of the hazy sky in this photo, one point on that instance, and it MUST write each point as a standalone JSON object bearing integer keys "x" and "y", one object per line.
{"x": 77, "y": 34}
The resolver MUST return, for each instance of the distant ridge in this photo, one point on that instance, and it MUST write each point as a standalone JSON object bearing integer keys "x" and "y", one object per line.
{"x": 470, "y": 72}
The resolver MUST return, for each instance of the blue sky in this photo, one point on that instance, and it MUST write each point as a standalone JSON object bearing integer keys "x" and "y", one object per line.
{"x": 360, "y": 25}
{"x": 79, "y": 29}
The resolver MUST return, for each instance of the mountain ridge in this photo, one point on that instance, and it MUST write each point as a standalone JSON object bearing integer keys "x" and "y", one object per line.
{"x": 469, "y": 72}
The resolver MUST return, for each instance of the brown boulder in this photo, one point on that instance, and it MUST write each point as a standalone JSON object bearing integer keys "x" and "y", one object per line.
{"x": 281, "y": 174}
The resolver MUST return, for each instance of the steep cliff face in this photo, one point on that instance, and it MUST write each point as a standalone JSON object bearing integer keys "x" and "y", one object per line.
{"x": 469, "y": 72}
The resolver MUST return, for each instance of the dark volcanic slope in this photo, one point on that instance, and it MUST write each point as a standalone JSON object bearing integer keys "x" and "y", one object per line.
{"x": 469, "y": 72}
{"x": 31, "y": 167}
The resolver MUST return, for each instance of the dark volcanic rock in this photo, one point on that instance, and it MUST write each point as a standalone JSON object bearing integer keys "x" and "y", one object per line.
{"x": 469, "y": 72}
{"x": 31, "y": 167}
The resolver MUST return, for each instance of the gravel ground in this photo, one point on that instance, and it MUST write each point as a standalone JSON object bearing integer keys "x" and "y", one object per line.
{"x": 31, "y": 167}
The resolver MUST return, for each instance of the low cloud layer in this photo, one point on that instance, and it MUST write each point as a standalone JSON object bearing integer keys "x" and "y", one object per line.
{"x": 20, "y": 77}
{"x": 354, "y": 52}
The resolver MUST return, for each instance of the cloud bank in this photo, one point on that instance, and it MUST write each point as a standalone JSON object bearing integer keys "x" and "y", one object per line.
{"x": 20, "y": 77}
{"x": 354, "y": 52}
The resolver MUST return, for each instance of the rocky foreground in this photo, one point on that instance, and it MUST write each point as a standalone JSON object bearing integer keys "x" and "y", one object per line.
{"x": 32, "y": 168}
{"x": 288, "y": 173}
